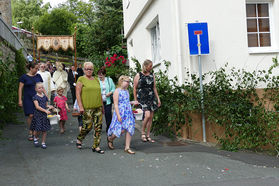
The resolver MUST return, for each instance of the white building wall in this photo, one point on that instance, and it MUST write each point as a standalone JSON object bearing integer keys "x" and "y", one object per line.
{"x": 227, "y": 34}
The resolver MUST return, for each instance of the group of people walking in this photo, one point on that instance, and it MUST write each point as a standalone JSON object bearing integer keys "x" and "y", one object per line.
{"x": 94, "y": 97}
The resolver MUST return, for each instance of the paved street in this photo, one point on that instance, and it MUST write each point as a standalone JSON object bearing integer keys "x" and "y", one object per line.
{"x": 163, "y": 163}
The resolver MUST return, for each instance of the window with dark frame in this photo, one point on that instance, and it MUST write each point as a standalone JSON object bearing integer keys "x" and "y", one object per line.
{"x": 258, "y": 25}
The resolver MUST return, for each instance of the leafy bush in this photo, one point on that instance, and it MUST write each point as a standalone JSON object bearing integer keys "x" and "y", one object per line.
{"x": 9, "y": 74}
{"x": 231, "y": 100}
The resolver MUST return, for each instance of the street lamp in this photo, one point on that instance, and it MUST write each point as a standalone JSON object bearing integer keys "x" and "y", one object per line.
{"x": 19, "y": 23}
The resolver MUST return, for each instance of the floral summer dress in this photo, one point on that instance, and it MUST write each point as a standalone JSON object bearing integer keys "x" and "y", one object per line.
{"x": 145, "y": 93}
{"x": 40, "y": 121}
{"x": 125, "y": 111}
{"x": 61, "y": 104}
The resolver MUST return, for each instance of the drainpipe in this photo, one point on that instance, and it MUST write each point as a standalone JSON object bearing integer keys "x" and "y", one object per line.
{"x": 178, "y": 38}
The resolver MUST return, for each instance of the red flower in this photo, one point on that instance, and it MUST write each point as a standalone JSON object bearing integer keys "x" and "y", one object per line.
{"x": 109, "y": 65}
{"x": 122, "y": 57}
{"x": 107, "y": 59}
{"x": 124, "y": 61}
{"x": 114, "y": 55}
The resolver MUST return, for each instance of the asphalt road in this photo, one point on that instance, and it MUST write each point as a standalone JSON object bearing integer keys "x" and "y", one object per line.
{"x": 163, "y": 163}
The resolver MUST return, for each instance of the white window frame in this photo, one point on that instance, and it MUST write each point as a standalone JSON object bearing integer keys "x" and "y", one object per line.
{"x": 273, "y": 48}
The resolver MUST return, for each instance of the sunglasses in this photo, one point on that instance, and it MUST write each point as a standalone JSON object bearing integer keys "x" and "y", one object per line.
{"x": 87, "y": 69}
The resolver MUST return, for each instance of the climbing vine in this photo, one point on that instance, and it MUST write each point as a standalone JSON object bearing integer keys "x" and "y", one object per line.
{"x": 231, "y": 99}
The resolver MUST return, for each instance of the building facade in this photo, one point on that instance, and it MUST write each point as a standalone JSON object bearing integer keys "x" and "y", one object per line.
{"x": 242, "y": 33}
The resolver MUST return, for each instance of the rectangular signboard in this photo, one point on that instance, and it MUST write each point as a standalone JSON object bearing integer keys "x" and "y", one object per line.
{"x": 195, "y": 29}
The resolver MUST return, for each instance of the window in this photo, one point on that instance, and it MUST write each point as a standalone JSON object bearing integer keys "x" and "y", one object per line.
{"x": 155, "y": 42}
{"x": 258, "y": 24}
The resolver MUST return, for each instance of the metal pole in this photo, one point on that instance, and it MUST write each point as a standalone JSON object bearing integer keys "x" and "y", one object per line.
{"x": 201, "y": 90}
{"x": 34, "y": 57}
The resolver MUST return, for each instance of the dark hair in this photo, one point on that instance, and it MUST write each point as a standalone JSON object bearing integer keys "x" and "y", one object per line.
{"x": 31, "y": 65}
{"x": 102, "y": 71}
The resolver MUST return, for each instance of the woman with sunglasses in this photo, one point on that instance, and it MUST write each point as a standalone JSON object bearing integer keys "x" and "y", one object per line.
{"x": 88, "y": 94}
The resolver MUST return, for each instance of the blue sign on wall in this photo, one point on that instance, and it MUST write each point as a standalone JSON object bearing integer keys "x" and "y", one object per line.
{"x": 195, "y": 29}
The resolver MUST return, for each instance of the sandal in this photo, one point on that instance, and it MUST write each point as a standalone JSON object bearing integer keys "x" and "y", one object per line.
{"x": 143, "y": 138}
{"x": 110, "y": 144}
{"x": 44, "y": 146}
{"x": 30, "y": 137}
{"x": 78, "y": 145}
{"x": 129, "y": 151}
{"x": 98, "y": 151}
{"x": 150, "y": 140}
{"x": 36, "y": 142}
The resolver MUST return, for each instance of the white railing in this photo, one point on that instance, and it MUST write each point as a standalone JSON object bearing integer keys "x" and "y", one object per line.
{"x": 7, "y": 34}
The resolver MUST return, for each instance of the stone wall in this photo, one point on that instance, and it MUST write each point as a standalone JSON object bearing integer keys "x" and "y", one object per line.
{"x": 6, "y": 51}
{"x": 6, "y": 11}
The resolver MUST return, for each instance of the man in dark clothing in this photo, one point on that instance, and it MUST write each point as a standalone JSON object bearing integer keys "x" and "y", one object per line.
{"x": 72, "y": 78}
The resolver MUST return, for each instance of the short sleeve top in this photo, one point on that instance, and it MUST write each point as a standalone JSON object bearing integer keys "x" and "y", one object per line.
{"x": 30, "y": 83}
{"x": 90, "y": 93}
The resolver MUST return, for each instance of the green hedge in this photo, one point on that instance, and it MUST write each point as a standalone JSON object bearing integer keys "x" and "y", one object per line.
{"x": 230, "y": 100}
{"x": 10, "y": 71}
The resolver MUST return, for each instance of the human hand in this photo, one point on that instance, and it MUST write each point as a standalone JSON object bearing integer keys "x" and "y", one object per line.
{"x": 159, "y": 103}
{"x": 50, "y": 107}
{"x": 134, "y": 102}
{"x": 81, "y": 110}
{"x": 20, "y": 103}
{"x": 108, "y": 94}
{"x": 48, "y": 112}
{"x": 69, "y": 110}
{"x": 119, "y": 119}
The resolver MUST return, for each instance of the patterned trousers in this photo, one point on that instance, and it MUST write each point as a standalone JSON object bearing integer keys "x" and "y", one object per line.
{"x": 92, "y": 117}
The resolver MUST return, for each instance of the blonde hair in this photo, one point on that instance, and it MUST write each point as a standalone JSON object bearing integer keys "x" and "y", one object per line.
{"x": 145, "y": 64}
{"x": 88, "y": 63}
{"x": 38, "y": 84}
{"x": 59, "y": 88}
{"x": 121, "y": 79}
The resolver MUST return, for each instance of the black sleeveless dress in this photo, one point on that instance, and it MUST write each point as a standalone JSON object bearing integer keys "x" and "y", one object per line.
{"x": 145, "y": 93}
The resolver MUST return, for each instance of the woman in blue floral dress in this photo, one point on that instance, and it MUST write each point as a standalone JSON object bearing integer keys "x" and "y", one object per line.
{"x": 123, "y": 118}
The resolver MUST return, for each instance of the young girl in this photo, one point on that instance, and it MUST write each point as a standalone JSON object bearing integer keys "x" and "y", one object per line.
{"x": 61, "y": 102}
{"x": 40, "y": 123}
{"x": 123, "y": 119}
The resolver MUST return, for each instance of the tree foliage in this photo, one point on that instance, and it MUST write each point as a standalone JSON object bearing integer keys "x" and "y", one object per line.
{"x": 28, "y": 12}
{"x": 58, "y": 22}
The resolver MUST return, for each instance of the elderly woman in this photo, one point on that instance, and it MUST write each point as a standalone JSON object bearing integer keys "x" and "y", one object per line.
{"x": 48, "y": 83}
{"x": 27, "y": 83}
{"x": 89, "y": 98}
{"x": 145, "y": 92}
{"x": 107, "y": 89}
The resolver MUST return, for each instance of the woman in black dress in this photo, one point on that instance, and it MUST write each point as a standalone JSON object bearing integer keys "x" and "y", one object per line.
{"x": 145, "y": 93}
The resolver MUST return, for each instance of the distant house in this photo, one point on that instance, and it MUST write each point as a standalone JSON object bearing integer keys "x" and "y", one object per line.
{"x": 244, "y": 34}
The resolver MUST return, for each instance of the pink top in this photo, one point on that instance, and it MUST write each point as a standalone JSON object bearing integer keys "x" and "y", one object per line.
{"x": 61, "y": 104}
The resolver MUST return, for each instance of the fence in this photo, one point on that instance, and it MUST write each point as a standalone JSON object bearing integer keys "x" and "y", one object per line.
{"x": 8, "y": 35}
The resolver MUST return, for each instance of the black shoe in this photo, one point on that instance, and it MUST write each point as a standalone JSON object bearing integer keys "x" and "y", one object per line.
{"x": 98, "y": 151}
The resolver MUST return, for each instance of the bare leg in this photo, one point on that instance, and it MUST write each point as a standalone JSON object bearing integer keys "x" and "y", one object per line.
{"x": 29, "y": 121}
{"x": 149, "y": 124}
{"x": 144, "y": 125}
{"x": 44, "y": 134}
{"x": 61, "y": 127}
{"x": 128, "y": 140}
{"x": 127, "y": 143}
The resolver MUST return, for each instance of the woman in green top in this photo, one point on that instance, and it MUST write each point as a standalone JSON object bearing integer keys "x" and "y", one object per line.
{"x": 88, "y": 94}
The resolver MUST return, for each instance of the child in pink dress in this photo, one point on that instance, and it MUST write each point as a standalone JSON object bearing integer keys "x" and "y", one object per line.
{"x": 61, "y": 102}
